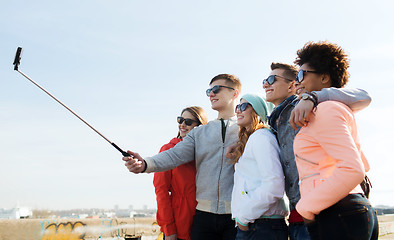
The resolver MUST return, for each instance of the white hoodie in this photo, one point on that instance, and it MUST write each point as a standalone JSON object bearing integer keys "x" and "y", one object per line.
{"x": 258, "y": 180}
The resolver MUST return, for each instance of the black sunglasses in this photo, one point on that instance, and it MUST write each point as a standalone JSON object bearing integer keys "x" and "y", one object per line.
{"x": 300, "y": 75}
{"x": 271, "y": 79}
{"x": 215, "y": 89}
{"x": 187, "y": 121}
{"x": 242, "y": 107}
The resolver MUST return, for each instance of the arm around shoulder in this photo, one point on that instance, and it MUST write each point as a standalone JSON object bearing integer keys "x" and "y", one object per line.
{"x": 355, "y": 98}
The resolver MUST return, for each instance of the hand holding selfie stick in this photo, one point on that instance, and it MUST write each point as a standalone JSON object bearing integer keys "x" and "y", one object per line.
{"x": 16, "y": 65}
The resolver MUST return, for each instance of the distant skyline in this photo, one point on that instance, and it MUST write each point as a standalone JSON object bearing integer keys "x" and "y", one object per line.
{"x": 129, "y": 67}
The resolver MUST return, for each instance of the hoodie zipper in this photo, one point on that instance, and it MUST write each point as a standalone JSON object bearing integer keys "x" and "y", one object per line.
{"x": 223, "y": 133}
{"x": 306, "y": 160}
{"x": 220, "y": 174}
{"x": 307, "y": 176}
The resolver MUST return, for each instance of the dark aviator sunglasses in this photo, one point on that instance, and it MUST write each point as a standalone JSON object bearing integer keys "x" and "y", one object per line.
{"x": 300, "y": 75}
{"x": 216, "y": 89}
{"x": 271, "y": 79}
{"x": 187, "y": 121}
{"x": 242, "y": 107}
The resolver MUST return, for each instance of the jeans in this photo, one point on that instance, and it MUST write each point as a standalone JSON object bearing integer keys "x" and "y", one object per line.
{"x": 164, "y": 237}
{"x": 270, "y": 229}
{"x": 351, "y": 218}
{"x": 298, "y": 231}
{"x": 211, "y": 226}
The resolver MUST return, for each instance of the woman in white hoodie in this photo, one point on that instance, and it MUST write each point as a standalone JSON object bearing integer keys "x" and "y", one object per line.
{"x": 257, "y": 203}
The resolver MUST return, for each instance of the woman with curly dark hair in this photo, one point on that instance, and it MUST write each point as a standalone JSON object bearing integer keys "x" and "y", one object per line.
{"x": 329, "y": 158}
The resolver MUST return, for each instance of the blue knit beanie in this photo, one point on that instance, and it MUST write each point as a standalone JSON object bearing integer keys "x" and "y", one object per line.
{"x": 260, "y": 105}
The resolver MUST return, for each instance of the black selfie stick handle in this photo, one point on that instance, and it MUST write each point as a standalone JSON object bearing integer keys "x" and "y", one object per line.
{"x": 125, "y": 154}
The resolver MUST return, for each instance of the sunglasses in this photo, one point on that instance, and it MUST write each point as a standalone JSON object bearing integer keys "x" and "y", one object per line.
{"x": 300, "y": 75}
{"x": 216, "y": 89}
{"x": 187, "y": 121}
{"x": 242, "y": 107}
{"x": 271, "y": 79}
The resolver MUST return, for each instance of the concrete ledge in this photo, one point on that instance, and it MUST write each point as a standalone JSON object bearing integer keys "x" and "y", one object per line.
{"x": 119, "y": 228}
{"x": 386, "y": 228}
{"x": 386, "y": 224}
{"x": 59, "y": 229}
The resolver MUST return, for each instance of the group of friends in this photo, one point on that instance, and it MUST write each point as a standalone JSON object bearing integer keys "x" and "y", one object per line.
{"x": 226, "y": 178}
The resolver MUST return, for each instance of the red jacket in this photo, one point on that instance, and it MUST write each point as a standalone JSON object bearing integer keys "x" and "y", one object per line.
{"x": 176, "y": 197}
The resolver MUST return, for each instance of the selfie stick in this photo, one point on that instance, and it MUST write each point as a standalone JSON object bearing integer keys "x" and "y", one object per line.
{"x": 16, "y": 65}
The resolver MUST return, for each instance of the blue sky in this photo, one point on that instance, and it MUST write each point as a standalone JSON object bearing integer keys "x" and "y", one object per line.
{"x": 129, "y": 67}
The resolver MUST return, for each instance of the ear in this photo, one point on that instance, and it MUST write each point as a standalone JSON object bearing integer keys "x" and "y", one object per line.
{"x": 292, "y": 87}
{"x": 325, "y": 79}
{"x": 236, "y": 93}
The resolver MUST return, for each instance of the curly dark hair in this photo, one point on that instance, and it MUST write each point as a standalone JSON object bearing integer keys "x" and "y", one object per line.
{"x": 326, "y": 58}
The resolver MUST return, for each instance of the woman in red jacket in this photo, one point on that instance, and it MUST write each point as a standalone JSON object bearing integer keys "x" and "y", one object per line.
{"x": 176, "y": 189}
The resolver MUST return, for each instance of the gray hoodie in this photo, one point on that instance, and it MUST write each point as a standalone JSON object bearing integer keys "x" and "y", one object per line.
{"x": 215, "y": 173}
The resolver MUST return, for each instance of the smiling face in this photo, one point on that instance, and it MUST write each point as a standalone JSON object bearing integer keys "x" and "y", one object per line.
{"x": 224, "y": 98}
{"x": 244, "y": 118}
{"x": 183, "y": 128}
{"x": 280, "y": 89}
{"x": 312, "y": 81}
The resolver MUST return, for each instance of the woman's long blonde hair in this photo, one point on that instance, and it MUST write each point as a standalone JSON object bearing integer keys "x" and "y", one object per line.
{"x": 244, "y": 134}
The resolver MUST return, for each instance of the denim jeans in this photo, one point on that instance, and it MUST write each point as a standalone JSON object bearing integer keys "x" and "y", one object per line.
{"x": 164, "y": 237}
{"x": 298, "y": 231}
{"x": 351, "y": 218}
{"x": 210, "y": 226}
{"x": 269, "y": 229}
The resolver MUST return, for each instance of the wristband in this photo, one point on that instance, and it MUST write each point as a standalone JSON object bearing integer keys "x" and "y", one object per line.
{"x": 311, "y": 97}
{"x": 146, "y": 166}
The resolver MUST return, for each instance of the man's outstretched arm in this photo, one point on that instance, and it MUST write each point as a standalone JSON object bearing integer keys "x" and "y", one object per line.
{"x": 182, "y": 153}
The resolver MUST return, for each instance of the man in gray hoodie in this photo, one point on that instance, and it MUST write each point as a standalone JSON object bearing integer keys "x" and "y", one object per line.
{"x": 206, "y": 145}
